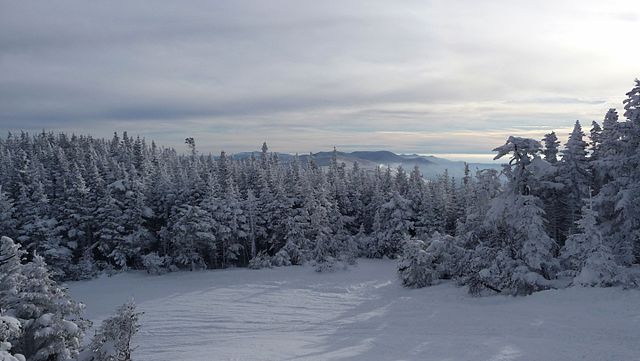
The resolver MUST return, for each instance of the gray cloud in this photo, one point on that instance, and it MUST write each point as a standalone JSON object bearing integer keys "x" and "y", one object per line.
{"x": 308, "y": 74}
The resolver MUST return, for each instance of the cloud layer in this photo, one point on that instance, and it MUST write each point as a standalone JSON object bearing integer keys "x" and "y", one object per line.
{"x": 412, "y": 76}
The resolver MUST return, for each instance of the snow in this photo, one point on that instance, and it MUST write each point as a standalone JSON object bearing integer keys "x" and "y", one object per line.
{"x": 363, "y": 313}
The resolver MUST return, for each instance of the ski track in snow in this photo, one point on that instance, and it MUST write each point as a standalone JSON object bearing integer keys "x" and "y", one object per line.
{"x": 363, "y": 313}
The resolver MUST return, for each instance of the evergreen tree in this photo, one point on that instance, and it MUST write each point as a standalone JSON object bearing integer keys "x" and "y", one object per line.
{"x": 190, "y": 238}
{"x": 11, "y": 276}
{"x": 52, "y": 327}
{"x": 521, "y": 255}
{"x": 551, "y": 144}
{"x": 396, "y": 226}
{"x": 587, "y": 254}
{"x": 112, "y": 341}
{"x": 574, "y": 174}
{"x": 8, "y": 222}
{"x": 9, "y": 330}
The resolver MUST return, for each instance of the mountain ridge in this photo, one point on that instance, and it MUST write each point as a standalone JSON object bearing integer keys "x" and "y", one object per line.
{"x": 430, "y": 166}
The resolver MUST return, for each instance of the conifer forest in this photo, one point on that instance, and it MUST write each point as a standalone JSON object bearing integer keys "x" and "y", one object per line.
{"x": 319, "y": 181}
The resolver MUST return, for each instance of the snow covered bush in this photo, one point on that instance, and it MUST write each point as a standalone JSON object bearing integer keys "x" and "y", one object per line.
{"x": 492, "y": 271}
{"x": 52, "y": 326}
{"x": 281, "y": 258}
{"x": 11, "y": 278}
{"x": 155, "y": 264}
{"x": 86, "y": 267}
{"x": 261, "y": 260}
{"x": 587, "y": 256}
{"x": 50, "y": 321}
{"x": 413, "y": 265}
{"x": 423, "y": 264}
{"x": 323, "y": 260}
{"x": 9, "y": 330}
{"x": 112, "y": 341}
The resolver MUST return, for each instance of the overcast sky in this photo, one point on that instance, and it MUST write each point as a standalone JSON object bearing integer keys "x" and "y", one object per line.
{"x": 436, "y": 77}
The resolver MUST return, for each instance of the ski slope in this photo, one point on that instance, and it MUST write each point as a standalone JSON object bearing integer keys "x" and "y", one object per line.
{"x": 363, "y": 313}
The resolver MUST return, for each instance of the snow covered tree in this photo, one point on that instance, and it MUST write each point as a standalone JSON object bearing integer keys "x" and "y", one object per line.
{"x": 254, "y": 230}
{"x": 519, "y": 258}
{"x": 574, "y": 174}
{"x": 413, "y": 265}
{"x": 52, "y": 326}
{"x": 395, "y": 226}
{"x": 325, "y": 249}
{"x": 7, "y": 221}
{"x": 189, "y": 238}
{"x": 11, "y": 279}
{"x": 11, "y": 276}
{"x": 551, "y": 144}
{"x": 423, "y": 264}
{"x": 228, "y": 233}
{"x": 486, "y": 187}
{"x": 632, "y": 103}
{"x": 37, "y": 229}
{"x": 588, "y": 256}
{"x": 9, "y": 330}
{"x": 121, "y": 213}
{"x": 618, "y": 202}
{"x": 262, "y": 260}
{"x": 112, "y": 341}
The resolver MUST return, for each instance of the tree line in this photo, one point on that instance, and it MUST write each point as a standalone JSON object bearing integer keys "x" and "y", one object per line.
{"x": 78, "y": 205}
{"x": 87, "y": 205}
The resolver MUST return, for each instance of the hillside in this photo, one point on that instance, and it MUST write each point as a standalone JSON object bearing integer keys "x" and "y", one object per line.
{"x": 363, "y": 313}
{"x": 430, "y": 166}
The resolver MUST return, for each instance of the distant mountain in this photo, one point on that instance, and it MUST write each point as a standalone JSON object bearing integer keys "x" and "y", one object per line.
{"x": 430, "y": 166}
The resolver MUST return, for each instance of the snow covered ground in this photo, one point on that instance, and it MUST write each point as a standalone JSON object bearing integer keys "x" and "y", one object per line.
{"x": 363, "y": 313}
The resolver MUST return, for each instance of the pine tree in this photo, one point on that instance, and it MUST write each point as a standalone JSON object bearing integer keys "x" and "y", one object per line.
{"x": 587, "y": 254}
{"x": 574, "y": 174}
{"x": 396, "y": 226}
{"x": 112, "y": 341}
{"x": 413, "y": 265}
{"x": 9, "y": 330}
{"x": 632, "y": 104}
{"x": 110, "y": 233}
{"x": 595, "y": 148}
{"x": 190, "y": 238}
{"x": 551, "y": 144}
{"x": 522, "y": 252}
{"x": 52, "y": 327}
{"x": 253, "y": 227}
{"x": 325, "y": 249}
{"x": 11, "y": 276}
{"x": 8, "y": 222}
{"x": 38, "y": 230}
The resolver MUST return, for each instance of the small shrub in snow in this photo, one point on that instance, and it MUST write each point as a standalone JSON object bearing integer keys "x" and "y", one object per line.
{"x": 413, "y": 266}
{"x": 423, "y": 264}
{"x": 588, "y": 257}
{"x": 600, "y": 270}
{"x": 327, "y": 264}
{"x": 506, "y": 275}
{"x": 9, "y": 330}
{"x": 281, "y": 258}
{"x": 86, "y": 268}
{"x": 51, "y": 326}
{"x": 112, "y": 341}
{"x": 323, "y": 260}
{"x": 155, "y": 264}
{"x": 261, "y": 260}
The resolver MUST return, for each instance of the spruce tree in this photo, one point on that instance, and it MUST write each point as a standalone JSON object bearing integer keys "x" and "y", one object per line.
{"x": 52, "y": 326}
{"x": 112, "y": 341}
{"x": 575, "y": 175}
